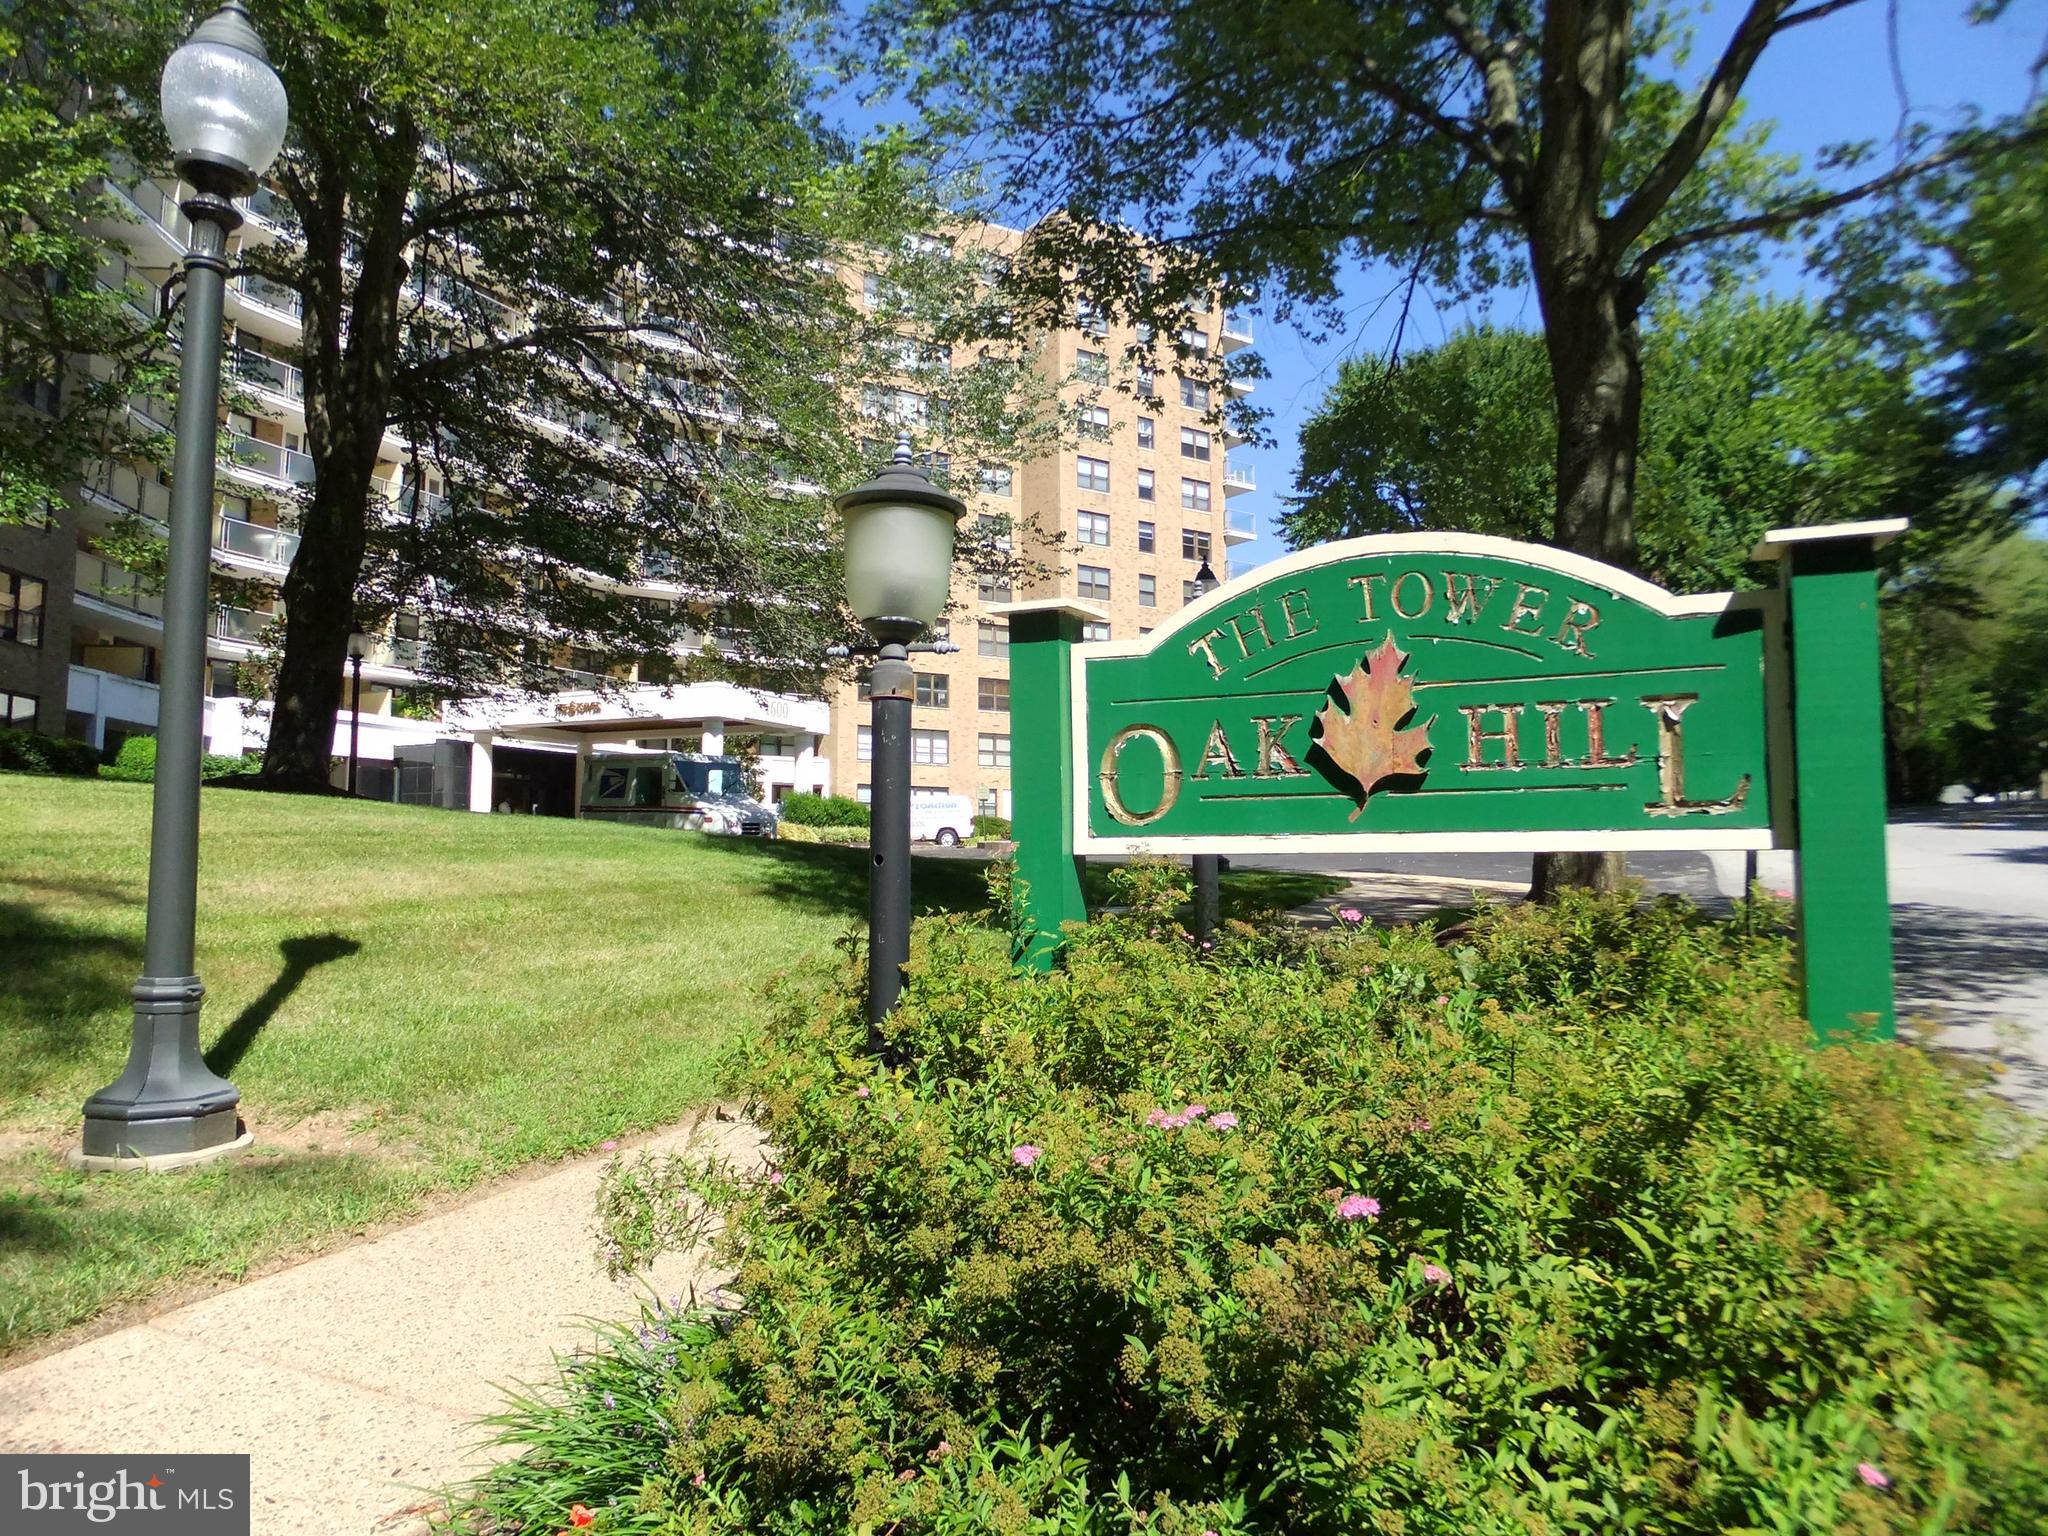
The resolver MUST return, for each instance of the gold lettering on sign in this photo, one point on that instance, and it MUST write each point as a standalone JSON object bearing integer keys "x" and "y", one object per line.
{"x": 1258, "y": 619}
{"x": 1400, "y": 584}
{"x": 1294, "y": 609}
{"x": 1464, "y": 602}
{"x": 1668, "y": 710}
{"x": 1477, "y": 736}
{"x": 1553, "y": 731}
{"x": 1572, "y": 633}
{"x": 1596, "y": 746}
{"x": 1217, "y": 753}
{"x": 1275, "y": 761}
{"x": 1524, "y": 609}
{"x": 1206, "y": 648}
{"x": 1364, "y": 585}
{"x": 1112, "y": 756}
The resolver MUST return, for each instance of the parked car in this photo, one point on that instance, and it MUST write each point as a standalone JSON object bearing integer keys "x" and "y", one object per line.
{"x": 942, "y": 819}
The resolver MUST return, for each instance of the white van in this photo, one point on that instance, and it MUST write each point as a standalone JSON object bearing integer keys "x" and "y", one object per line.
{"x": 947, "y": 820}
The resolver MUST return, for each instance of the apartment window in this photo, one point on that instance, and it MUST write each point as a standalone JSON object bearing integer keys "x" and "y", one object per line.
{"x": 21, "y": 608}
{"x": 1148, "y": 535}
{"x": 18, "y": 709}
{"x": 1194, "y": 544}
{"x": 1093, "y": 630}
{"x": 1195, "y": 341}
{"x": 993, "y": 694}
{"x": 871, "y": 290}
{"x": 864, "y": 686}
{"x": 992, "y": 751}
{"x": 864, "y": 747}
{"x": 985, "y": 802}
{"x": 1094, "y": 528}
{"x": 996, "y": 479}
{"x": 1090, "y": 320}
{"x": 931, "y": 690}
{"x": 1146, "y": 434}
{"x": 1092, "y": 366}
{"x": 1194, "y": 445}
{"x": 1091, "y": 474}
{"x": 1095, "y": 421}
{"x": 903, "y": 407}
{"x": 1194, "y": 396}
{"x": 864, "y": 793}
{"x": 931, "y": 748}
{"x": 1148, "y": 591}
{"x": 994, "y": 528}
{"x": 1194, "y": 495}
{"x": 992, "y": 639}
{"x": 1145, "y": 485}
{"x": 1093, "y": 581}
{"x": 1148, "y": 381}
{"x": 989, "y": 589}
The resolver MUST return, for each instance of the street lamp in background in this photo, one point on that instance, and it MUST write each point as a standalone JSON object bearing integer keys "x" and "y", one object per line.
{"x": 224, "y": 109}
{"x": 1208, "y": 866}
{"x": 899, "y": 573}
{"x": 355, "y": 707}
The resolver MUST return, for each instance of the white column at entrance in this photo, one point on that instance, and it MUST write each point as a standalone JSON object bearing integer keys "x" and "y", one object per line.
{"x": 582, "y": 772}
{"x": 714, "y": 737}
{"x": 480, "y": 772}
{"x": 808, "y": 768}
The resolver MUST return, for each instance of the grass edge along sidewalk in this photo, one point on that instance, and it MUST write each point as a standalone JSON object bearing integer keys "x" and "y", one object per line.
{"x": 411, "y": 1001}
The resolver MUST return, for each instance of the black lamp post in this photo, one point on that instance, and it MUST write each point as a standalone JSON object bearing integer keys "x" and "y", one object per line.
{"x": 355, "y": 709}
{"x": 224, "y": 109}
{"x": 899, "y": 572}
{"x": 1208, "y": 866}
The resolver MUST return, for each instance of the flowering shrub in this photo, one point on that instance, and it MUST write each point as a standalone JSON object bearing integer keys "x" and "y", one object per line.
{"x": 1568, "y": 1230}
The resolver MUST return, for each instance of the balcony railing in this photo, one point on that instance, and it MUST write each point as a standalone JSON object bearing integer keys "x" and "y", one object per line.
{"x": 102, "y": 581}
{"x": 1244, "y": 522}
{"x": 393, "y": 651}
{"x": 272, "y": 295}
{"x": 267, "y": 373}
{"x": 273, "y": 461}
{"x": 241, "y": 624}
{"x": 1237, "y": 330}
{"x": 157, "y": 206}
{"x": 253, "y": 541}
{"x": 429, "y": 506}
{"x": 266, "y": 207}
{"x": 1239, "y": 477}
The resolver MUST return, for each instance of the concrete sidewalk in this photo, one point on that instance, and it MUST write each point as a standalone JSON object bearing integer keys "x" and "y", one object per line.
{"x": 355, "y": 1380}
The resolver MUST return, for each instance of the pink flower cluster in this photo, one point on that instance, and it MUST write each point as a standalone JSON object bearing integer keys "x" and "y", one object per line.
{"x": 1356, "y": 1207}
{"x": 1026, "y": 1154}
{"x": 1351, "y": 917}
{"x": 1170, "y": 1120}
{"x": 1872, "y": 1476}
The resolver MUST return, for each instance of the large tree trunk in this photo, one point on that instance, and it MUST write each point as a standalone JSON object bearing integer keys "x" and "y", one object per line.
{"x": 1597, "y": 376}
{"x": 348, "y": 371}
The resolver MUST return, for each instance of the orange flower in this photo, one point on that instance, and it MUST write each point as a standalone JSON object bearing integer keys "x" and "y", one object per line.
{"x": 580, "y": 1516}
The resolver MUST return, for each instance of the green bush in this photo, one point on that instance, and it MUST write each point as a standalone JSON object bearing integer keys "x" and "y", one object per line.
{"x": 33, "y": 752}
{"x": 808, "y": 810}
{"x": 1568, "y": 1230}
{"x": 997, "y": 827}
{"x": 136, "y": 762}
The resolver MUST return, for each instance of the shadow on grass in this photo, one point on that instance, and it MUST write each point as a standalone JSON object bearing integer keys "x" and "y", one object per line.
{"x": 833, "y": 880}
{"x": 300, "y": 956}
{"x": 59, "y": 980}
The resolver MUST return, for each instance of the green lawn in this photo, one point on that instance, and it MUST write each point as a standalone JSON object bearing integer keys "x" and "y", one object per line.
{"x": 410, "y": 1000}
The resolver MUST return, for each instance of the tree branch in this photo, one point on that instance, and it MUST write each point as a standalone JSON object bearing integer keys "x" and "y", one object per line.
{"x": 1717, "y": 99}
{"x": 1815, "y": 207}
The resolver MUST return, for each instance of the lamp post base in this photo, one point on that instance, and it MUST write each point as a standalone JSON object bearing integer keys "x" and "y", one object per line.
{"x": 130, "y": 1160}
{"x": 166, "y": 1102}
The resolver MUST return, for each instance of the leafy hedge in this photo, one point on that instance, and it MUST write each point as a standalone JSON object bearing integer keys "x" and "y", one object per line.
{"x": 33, "y": 752}
{"x": 992, "y": 826}
{"x": 808, "y": 810}
{"x": 136, "y": 762}
{"x": 1568, "y": 1230}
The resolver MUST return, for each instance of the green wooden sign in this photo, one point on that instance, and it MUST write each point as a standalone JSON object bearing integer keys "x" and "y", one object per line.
{"x": 1461, "y": 692}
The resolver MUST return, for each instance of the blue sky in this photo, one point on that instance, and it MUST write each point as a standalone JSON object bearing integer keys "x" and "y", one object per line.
{"x": 1820, "y": 84}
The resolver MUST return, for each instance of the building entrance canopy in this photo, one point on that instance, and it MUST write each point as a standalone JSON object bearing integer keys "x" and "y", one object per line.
{"x": 586, "y": 718}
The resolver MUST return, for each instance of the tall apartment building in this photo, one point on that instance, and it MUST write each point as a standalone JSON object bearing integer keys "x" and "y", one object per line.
{"x": 1124, "y": 518}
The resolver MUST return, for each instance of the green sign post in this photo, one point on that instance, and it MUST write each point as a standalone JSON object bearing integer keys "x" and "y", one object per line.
{"x": 1421, "y": 692}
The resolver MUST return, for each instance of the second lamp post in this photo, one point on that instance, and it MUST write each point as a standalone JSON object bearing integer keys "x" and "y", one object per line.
{"x": 899, "y": 573}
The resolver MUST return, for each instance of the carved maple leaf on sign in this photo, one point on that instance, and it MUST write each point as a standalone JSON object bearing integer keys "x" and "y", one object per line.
{"x": 1367, "y": 742}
